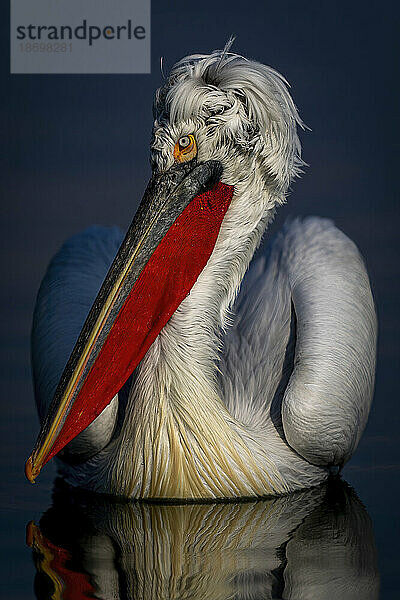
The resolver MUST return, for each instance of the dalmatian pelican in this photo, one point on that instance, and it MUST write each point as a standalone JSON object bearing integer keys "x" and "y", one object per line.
{"x": 164, "y": 367}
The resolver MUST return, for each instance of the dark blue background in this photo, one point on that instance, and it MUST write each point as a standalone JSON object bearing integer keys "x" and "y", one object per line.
{"x": 75, "y": 152}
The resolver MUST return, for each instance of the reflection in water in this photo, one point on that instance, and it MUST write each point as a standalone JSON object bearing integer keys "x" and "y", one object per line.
{"x": 316, "y": 544}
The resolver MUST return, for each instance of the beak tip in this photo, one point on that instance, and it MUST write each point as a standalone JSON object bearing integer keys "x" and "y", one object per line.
{"x": 30, "y": 472}
{"x": 30, "y": 533}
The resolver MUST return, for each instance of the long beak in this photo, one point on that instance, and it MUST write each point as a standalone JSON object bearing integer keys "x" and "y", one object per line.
{"x": 167, "y": 246}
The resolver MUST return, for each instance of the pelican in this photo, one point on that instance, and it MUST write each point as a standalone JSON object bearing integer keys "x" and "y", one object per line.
{"x": 164, "y": 367}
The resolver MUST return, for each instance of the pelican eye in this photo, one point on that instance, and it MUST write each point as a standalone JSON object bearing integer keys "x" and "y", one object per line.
{"x": 185, "y": 148}
{"x": 184, "y": 142}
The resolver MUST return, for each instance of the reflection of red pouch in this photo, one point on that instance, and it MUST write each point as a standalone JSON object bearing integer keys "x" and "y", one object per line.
{"x": 52, "y": 562}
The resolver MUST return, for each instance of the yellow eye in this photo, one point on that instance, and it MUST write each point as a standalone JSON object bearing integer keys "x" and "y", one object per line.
{"x": 185, "y": 148}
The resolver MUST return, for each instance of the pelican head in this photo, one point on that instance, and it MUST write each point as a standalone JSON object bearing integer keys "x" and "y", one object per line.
{"x": 224, "y": 151}
{"x": 232, "y": 110}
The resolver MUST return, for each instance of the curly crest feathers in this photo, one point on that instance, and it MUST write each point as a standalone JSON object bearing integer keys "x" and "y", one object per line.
{"x": 247, "y": 102}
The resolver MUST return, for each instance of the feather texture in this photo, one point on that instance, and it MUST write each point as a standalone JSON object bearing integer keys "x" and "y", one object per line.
{"x": 302, "y": 348}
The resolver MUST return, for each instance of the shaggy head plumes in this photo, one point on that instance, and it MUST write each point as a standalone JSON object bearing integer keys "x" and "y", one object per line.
{"x": 240, "y": 113}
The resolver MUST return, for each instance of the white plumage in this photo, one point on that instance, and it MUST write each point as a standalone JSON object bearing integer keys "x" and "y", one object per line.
{"x": 237, "y": 396}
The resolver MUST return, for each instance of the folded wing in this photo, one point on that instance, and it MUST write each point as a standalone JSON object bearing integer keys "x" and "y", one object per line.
{"x": 302, "y": 349}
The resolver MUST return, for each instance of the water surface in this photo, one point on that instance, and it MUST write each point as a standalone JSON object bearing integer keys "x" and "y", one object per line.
{"x": 313, "y": 544}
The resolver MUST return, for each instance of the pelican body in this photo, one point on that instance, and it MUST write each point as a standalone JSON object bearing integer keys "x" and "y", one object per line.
{"x": 164, "y": 366}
